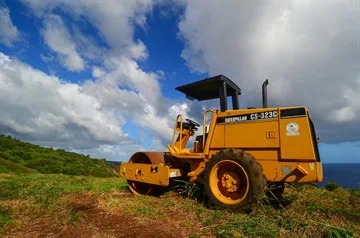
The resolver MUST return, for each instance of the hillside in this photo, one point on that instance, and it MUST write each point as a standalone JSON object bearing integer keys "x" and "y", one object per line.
{"x": 8, "y": 166}
{"x": 17, "y": 156}
{"x": 37, "y": 205}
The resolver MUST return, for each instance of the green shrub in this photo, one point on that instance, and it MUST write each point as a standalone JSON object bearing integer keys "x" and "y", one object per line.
{"x": 8, "y": 166}
{"x": 331, "y": 186}
{"x": 6, "y": 155}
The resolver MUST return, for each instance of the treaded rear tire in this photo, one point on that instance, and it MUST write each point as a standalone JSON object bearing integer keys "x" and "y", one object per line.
{"x": 254, "y": 172}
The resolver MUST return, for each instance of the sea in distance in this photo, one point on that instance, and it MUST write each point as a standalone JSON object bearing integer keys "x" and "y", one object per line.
{"x": 346, "y": 175}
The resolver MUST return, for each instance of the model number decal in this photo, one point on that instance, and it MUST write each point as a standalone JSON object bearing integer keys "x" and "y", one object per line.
{"x": 249, "y": 117}
{"x": 263, "y": 115}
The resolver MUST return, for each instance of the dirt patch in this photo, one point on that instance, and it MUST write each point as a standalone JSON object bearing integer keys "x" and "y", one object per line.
{"x": 91, "y": 220}
{"x": 80, "y": 202}
{"x": 103, "y": 224}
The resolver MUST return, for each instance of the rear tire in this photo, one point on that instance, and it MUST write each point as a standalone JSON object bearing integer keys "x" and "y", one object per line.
{"x": 233, "y": 180}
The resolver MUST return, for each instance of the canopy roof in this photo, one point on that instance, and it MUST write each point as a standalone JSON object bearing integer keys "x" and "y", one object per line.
{"x": 209, "y": 88}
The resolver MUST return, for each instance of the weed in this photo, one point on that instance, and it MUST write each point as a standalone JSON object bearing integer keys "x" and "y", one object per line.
{"x": 335, "y": 232}
{"x": 251, "y": 226}
{"x": 72, "y": 217}
{"x": 146, "y": 211}
{"x": 168, "y": 203}
{"x": 331, "y": 186}
{"x": 187, "y": 189}
{"x": 215, "y": 217}
{"x": 5, "y": 217}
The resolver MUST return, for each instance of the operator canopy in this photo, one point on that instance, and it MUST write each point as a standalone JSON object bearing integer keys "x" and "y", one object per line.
{"x": 210, "y": 88}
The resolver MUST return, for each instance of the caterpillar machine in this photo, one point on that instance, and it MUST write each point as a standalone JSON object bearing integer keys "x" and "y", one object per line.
{"x": 240, "y": 151}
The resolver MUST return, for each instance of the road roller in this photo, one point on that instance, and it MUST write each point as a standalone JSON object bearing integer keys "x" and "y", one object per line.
{"x": 236, "y": 153}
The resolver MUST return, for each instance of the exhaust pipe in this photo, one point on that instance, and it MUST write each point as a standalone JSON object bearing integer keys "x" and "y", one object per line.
{"x": 264, "y": 93}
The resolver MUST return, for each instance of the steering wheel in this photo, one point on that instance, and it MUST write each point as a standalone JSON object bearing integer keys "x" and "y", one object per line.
{"x": 192, "y": 122}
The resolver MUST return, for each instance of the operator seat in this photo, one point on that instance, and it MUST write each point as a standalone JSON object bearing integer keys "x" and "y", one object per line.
{"x": 187, "y": 126}
{"x": 199, "y": 138}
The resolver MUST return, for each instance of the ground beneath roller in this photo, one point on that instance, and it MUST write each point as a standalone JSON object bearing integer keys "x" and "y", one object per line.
{"x": 93, "y": 220}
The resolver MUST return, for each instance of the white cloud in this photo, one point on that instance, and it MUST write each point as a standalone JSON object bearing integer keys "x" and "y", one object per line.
{"x": 138, "y": 51}
{"x": 97, "y": 72}
{"x": 42, "y": 107}
{"x": 8, "y": 32}
{"x": 88, "y": 117}
{"x": 47, "y": 58}
{"x": 112, "y": 152}
{"x": 86, "y": 45}
{"x": 307, "y": 50}
{"x": 115, "y": 20}
{"x": 60, "y": 41}
{"x": 137, "y": 95}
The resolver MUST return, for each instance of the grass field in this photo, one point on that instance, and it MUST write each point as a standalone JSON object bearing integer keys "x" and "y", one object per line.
{"x": 38, "y": 205}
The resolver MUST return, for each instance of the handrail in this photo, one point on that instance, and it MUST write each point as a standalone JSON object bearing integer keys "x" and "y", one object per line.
{"x": 204, "y": 126}
{"x": 176, "y": 122}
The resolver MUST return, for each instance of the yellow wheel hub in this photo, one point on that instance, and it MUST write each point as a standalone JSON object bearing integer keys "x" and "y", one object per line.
{"x": 229, "y": 182}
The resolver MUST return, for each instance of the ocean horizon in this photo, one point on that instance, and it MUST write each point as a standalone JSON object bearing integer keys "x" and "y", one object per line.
{"x": 347, "y": 175}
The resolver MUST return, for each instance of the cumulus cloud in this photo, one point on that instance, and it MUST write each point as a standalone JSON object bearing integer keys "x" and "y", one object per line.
{"x": 136, "y": 94}
{"x": 42, "y": 108}
{"x": 58, "y": 38}
{"x": 8, "y": 32}
{"x": 97, "y": 72}
{"x": 308, "y": 51}
{"x": 115, "y": 20}
{"x": 87, "y": 118}
{"x": 86, "y": 45}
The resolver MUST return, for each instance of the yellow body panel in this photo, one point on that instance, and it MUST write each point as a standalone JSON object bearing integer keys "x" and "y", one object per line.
{"x": 271, "y": 154}
{"x": 218, "y": 140}
{"x": 289, "y": 171}
{"x": 298, "y": 146}
{"x": 152, "y": 174}
{"x": 250, "y": 135}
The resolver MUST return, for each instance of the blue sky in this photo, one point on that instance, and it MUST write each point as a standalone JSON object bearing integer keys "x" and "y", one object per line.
{"x": 110, "y": 53}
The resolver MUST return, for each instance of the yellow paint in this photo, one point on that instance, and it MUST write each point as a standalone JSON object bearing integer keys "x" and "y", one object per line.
{"x": 147, "y": 173}
{"x": 250, "y": 135}
{"x": 298, "y": 147}
{"x": 267, "y": 154}
{"x": 273, "y": 171}
{"x": 218, "y": 139}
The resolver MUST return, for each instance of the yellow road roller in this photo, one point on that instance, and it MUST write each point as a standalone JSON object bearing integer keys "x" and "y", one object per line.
{"x": 239, "y": 152}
